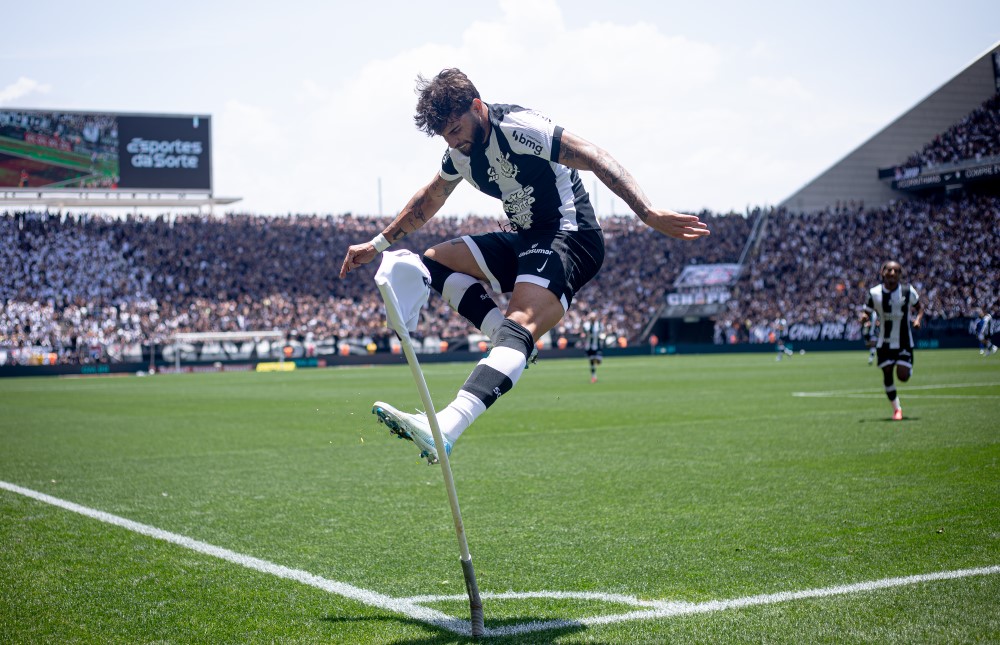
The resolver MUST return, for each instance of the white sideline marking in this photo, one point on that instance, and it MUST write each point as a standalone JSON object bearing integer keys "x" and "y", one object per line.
{"x": 869, "y": 393}
{"x": 666, "y": 609}
{"x": 412, "y": 608}
{"x": 371, "y": 598}
{"x": 620, "y": 599}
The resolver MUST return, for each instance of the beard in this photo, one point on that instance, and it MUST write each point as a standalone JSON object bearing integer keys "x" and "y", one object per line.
{"x": 478, "y": 140}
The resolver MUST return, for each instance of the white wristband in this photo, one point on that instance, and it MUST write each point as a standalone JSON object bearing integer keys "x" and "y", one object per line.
{"x": 380, "y": 243}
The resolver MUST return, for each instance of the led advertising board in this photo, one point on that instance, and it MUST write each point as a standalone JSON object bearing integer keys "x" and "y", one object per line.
{"x": 47, "y": 150}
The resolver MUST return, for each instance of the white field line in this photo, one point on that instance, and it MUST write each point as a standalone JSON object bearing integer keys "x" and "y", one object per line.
{"x": 669, "y": 609}
{"x": 412, "y": 608}
{"x": 620, "y": 599}
{"x": 869, "y": 393}
{"x": 371, "y": 598}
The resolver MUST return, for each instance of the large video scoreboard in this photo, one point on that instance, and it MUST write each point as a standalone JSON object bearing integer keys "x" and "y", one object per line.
{"x": 47, "y": 150}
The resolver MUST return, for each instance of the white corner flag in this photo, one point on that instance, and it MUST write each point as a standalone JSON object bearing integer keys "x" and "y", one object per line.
{"x": 404, "y": 283}
{"x": 409, "y": 287}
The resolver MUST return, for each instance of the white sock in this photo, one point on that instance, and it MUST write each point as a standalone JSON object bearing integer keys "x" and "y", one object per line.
{"x": 896, "y": 405}
{"x": 459, "y": 415}
{"x": 495, "y": 374}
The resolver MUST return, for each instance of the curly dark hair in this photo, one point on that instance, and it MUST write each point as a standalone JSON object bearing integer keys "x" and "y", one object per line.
{"x": 443, "y": 98}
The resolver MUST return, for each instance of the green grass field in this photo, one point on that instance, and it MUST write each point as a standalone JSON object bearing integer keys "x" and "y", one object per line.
{"x": 679, "y": 499}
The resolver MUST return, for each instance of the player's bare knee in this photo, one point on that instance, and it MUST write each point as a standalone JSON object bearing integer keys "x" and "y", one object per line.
{"x": 903, "y": 373}
{"x": 434, "y": 252}
{"x": 456, "y": 256}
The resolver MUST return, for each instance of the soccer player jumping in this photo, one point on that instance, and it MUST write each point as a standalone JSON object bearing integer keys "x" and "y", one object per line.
{"x": 893, "y": 304}
{"x": 556, "y": 245}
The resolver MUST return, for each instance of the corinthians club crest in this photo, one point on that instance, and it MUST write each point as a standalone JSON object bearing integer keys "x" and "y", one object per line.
{"x": 507, "y": 168}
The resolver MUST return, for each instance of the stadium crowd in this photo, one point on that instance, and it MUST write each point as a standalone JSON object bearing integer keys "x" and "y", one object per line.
{"x": 975, "y": 137}
{"x": 816, "y": 267}
{"x": 86, "y": 286}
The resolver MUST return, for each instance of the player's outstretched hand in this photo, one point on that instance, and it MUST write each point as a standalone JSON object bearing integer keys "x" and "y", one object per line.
{"x": 357, "y": 254}
{"x": 680, "y": 226}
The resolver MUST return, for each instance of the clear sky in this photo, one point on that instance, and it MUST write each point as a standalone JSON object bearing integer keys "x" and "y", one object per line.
{"x": 714, "y": 105}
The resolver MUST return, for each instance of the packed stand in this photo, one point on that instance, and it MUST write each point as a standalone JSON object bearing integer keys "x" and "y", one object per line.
{"x": 640, "y": 267}
{"x": 87, "y": 286}
{"x": 975, "y": 137}
{"x": 817, "y": 267}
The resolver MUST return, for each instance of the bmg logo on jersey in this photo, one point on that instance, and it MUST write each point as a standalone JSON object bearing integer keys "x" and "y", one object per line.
{"x": 527, "y": 141}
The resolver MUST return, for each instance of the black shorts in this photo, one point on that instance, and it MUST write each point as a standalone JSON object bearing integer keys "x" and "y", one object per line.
{"x": 886, "y": 357}
{"x": 595, "y": 355}
{"x": 560, "y": 261}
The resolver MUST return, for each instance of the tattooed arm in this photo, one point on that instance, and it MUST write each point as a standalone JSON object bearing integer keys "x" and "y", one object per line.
{"x": 579, "y": 153}
{"x": 424, "y": 204}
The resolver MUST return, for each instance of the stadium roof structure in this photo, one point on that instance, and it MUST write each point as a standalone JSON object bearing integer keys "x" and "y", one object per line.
{"x": 856, "y": 177}
{"x": 111, "y": 199}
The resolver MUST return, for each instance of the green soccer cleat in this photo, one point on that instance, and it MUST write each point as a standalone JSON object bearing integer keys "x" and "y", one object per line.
{"x": 410, "y": 426}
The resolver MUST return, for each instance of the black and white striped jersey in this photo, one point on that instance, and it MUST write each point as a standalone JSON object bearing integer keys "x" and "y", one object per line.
{"x": 893, "y": 308}
{"x": 518, "y": 166}
{"x": 593, "y": 330}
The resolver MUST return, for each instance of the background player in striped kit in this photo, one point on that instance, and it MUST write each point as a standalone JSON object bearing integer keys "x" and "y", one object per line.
{"x": 531, "y": 165}
{"x": 984, "y": 330}
{"x": 893, "y": 303}
{"x": 593, "y": 341}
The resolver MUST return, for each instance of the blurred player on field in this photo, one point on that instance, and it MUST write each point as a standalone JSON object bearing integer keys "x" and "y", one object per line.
{"x": 593, "y": 341}
{"x": 780, "y": 325}
{"x": 893, "y": 303}
{"x": 983, "y": 327}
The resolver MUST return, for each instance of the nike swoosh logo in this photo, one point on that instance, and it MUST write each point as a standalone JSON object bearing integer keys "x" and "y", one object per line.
{"x": 543, "y": 265}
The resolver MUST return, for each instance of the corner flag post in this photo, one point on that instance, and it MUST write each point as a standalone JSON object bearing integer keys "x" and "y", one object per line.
{"x": 399, "y": 326}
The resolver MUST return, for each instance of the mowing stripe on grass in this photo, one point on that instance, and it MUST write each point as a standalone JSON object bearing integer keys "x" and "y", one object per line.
{"x": 364, "y": 596}
{"x": 412, "y": 607}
